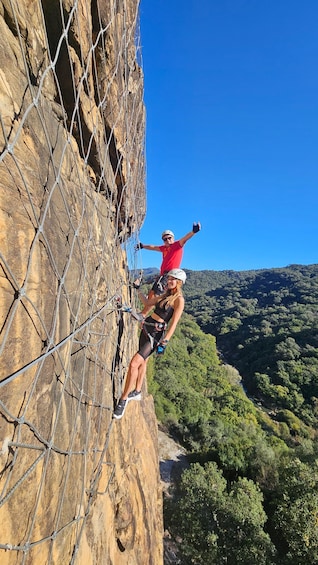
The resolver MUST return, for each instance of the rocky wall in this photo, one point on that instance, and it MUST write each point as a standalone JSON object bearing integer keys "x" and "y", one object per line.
{"x": 75, "y": 486}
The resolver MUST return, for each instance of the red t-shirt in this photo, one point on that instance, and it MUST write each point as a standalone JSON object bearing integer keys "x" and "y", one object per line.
{"x": 172, "y": 256}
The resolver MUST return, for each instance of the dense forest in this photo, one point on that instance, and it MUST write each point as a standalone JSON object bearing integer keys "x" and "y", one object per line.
{"x": 238, "y": 387}
{"x": 266, "y": 325}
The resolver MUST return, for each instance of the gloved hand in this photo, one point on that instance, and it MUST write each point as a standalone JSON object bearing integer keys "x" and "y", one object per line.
{"x": 137, "y": 283}
{"x": 196, "y": 227}
{"x": 139, "y": 246}
{"x": 161, "y": 347}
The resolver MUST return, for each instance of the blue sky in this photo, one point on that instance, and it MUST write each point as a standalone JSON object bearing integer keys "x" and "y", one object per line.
{"x": 231, "y": 95}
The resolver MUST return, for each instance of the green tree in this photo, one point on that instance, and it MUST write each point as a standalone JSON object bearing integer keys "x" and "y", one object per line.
{"x": 295, "y": 513}
{"x": 216, "y": 525}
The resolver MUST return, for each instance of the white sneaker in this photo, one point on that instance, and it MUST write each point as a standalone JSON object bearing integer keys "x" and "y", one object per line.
{"x": 134, "y": 395}
{"x": 120, "y": 409}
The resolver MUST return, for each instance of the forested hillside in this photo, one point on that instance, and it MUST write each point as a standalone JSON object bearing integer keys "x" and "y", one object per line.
{"x": 250, "y": 494}
{"x": 266, "y": 325}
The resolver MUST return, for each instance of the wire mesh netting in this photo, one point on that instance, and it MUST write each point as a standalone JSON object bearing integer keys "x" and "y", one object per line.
{"x": 72, "y": 199}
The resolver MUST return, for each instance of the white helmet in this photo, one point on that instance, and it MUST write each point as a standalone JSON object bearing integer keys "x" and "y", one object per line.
{"x": 177, "y": 274}
{"x": 167, "y": 232}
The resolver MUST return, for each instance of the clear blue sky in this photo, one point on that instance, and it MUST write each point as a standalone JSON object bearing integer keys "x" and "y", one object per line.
{"x": 231, "y": 95}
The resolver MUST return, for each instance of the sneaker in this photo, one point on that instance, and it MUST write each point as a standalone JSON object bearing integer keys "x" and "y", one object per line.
{"x": 120, "y": 409}
{"x": 134, "y": 395}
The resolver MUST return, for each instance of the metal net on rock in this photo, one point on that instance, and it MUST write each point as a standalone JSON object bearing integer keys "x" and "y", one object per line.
{"x": 72, "y": 199}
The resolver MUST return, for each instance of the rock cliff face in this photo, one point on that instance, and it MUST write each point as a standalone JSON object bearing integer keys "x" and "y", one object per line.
{"x": 75, "y": 486}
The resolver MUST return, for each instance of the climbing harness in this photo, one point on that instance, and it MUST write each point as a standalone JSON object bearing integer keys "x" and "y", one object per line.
{"x": 158, "y": 326}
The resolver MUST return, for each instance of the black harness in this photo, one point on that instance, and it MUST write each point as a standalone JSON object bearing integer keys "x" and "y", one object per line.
{"x": 158, "y": 326}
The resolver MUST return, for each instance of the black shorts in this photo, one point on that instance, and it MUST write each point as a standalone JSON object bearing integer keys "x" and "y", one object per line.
{"x": 159, "y": 286}
{"x": 150, "y": 336}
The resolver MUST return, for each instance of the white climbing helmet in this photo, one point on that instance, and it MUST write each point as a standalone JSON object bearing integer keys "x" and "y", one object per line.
{"x": 178, "y": 274}
{"x": 167, "y": 232}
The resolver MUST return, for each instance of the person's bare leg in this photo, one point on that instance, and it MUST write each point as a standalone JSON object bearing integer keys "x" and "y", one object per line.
{"x": 141, "y": 375}
{"x": 136, "y": 366}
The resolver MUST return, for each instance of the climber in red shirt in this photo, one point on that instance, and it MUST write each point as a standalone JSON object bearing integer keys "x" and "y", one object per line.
{"x": 172, "y": 253}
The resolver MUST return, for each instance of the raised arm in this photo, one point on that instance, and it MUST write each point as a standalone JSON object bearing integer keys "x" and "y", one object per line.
{"x": 148, "y": 301}
{"x": 148, "y": 247}
{"x": 196, "y": 227}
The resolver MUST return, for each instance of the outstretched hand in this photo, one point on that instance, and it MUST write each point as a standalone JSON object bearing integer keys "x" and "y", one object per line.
{"x": 139, "y": 246}
{"x": 137, "y": 283}
{"x": 196, "y": 227}
{"x": 161, "y": 348}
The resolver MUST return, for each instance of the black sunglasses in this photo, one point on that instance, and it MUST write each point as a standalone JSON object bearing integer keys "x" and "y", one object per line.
{"x": 167, "y": 238}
